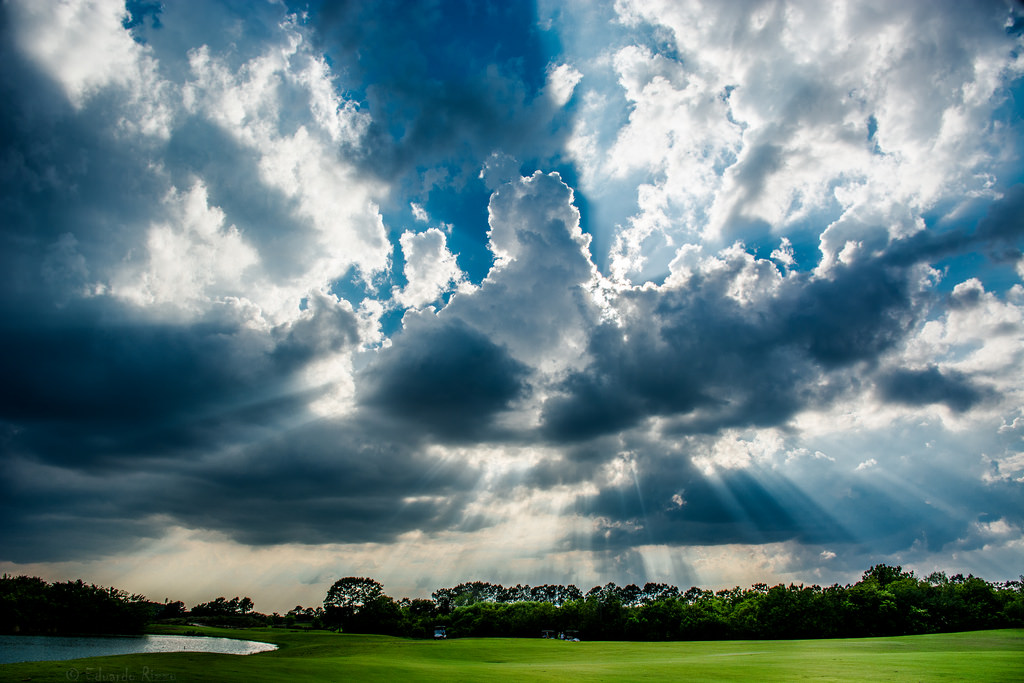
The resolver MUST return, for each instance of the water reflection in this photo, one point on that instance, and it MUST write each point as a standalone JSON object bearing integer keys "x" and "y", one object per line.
{"x": 55, "y": 648}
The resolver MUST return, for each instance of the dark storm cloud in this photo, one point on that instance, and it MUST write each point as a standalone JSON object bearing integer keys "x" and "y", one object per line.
{"x": 62, "y": 172}
{"x": 914, "y": 502}
{"x": 575, "y": 464}
{"x": 91, "y": 381}
{"x": 860, "y": 312}
{"x": 451, "y": 374}
{"x": 88, "y": 388}
{"x": 999, "y": 235}
{"x": 68, "y": 529}
{"x": 694, "y": 352}
{"x": 444, "y": 378}
{"x": 1005, "y": 217}
{"x": 1002, "y": 229}
{"x": 323, "y": 482}
{"x": 924, "y": 387}
{"x": 87, "y": 373}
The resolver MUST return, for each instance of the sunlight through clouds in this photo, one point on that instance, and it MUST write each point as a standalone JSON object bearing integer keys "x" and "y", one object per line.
{"x": 554, "y": 292}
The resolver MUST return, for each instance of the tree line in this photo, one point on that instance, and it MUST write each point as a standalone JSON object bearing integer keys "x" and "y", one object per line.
{"x": 886, "y": 601}
{"x": 30, "y": 605}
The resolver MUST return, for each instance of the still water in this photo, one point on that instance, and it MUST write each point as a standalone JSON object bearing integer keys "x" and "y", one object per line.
{"x": 40, "y": 648}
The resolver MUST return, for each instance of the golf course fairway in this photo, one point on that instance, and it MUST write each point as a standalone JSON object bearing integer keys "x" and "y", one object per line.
{"x": 317, "y": 656}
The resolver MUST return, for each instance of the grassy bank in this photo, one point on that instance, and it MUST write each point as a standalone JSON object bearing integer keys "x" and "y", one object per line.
{"x": 321, "y": 656}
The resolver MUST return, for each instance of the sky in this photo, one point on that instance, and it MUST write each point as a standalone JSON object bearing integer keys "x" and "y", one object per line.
{"x": 557, "y": 292}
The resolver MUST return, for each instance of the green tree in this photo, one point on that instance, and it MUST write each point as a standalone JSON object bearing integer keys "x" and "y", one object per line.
{"x": 378, "y": 615}
{"x": 347, "y": 597}
{"x": 883, "y": 574}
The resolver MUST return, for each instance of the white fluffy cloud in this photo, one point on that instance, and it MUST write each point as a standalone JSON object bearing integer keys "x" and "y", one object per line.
{"x": 562, "y": 81}
{"x": 430, "y": 268}
{"x": 81, "y": 43}
{"x": 336, "y": 218}
{"x": 190, "y": 260}
{"x": 536, "y": 300}
{"x": 785, "y": 113}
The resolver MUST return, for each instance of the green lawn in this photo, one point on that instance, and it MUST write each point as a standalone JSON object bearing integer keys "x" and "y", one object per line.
{"x": 321, "y": 656}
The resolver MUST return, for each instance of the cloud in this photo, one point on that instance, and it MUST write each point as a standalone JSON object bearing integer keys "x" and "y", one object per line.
{"x": 170, "y": 294}
{"x": 726, "y": 503}
{"x": 751, "y": 124}
{"x": 430, "y": 269}
{"x": 650, "y": 289}
{"x": 562, "y": 81}
{"x": 466, "y": 82}
{"x": 419, "y": 213}
{"x": 448, "y": 372}
{"x": 930, "y": 386}
{"x": 703, "y": 350}
{"x": 294, "y": 156}
{"x": 538, "y": 299}
{"x": 445, "y": 378}
{"x": 316, "y": 475}
{"x": 83, "y": 45}
{"x": 190, "y": 258}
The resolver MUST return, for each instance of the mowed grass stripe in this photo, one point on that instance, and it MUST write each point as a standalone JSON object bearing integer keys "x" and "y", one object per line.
{"x": 321, "y": 656}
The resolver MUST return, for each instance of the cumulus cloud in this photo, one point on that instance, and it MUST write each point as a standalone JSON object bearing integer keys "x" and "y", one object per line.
{"x": 562, "y": 81}
{"x": 708, "y": 354}
{"x": 777, "y": 119}
{"x": 192, "y": 258}
{"x": 84, "y": 47}
{"x": 539, "y": 297}
{"x": 430, "y": 269}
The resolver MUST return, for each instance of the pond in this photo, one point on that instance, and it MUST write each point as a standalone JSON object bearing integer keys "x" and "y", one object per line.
{"x": 54, "y": 648}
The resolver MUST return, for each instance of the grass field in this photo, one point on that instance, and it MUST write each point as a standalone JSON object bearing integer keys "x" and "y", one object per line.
{"x": 321, "y": 656}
